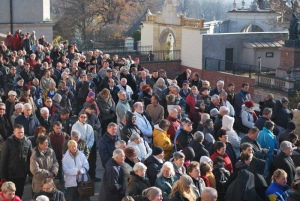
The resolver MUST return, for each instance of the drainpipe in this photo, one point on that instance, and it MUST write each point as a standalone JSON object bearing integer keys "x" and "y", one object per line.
{"x": 11, "y": 17}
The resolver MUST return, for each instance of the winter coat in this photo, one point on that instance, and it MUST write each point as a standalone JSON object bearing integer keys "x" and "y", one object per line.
{"x": 41, "y": 167}
{"x": 247, "y": 117}
{"x": 158, "y": 90}
{"x": 239, "y": 99}
{"x": 191, "y": 100}
{"x": 160, "y": 138}
{"x": 165, "y": 185}
{"x": 156, "y": 112}
{"x": 184, "y": 138}
{"x": 57, "y": 141}
{"x": 107, "y": 147}
{"x": 55, "y": 195}
{"x": 135, "y": 186}
{"x": 71, "y": 164}
{"x": 267, "y": 140}
{"x": 111, "y": 186}
{"x": 227, "y": 162}
{"x": 145, "y": 126}
{"x": 296, "y": 157}
{"x": 28, "y": 124}
{"x": 281, "y": 116}
{"x": 179, "y": 171}
{"x": 285, "y": 162}
{"x": 221, "y": 176}
{"x": 153, "y": 168}
{"x": 2, "y": 198}
{"x": 107, "y": 108}
{"x": 121, "y": 109}
{"x": 233, "y": 138}
{"x": 86, "y": 131}
{"x": 6, "y": 128}
{"x": 277, "y": 192}
{"x": 81, "y": 146}
{"x": 128, "y": 91}
{"x": 143, "y": 149}
{"x": 199, "y": 150}
{"x": 15, "y": 158}
{"x": 129, "y": 128}
{"x": 257, "y": 151}
{"x": 174, "y": 126}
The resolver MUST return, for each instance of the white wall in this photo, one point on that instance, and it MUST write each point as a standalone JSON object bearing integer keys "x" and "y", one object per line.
{"x": 147, "y": 35}
{"x": 191, "y": 50}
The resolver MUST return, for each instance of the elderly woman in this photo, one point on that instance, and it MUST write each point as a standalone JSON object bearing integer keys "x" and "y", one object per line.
{"x": 18, "y": 111}
{"x": 183, "y": 189}
{"x": 43, "y": 163}
{"x": 74, "y": 164}
{"x": 8, "y": 192}
{"x": 248, "y": 115}
{"x": 142, "y": 148}
{"x": 152, "y": 194}
{"x": 166, "y": 179}
{"x": 137, "y": 182}
{"x": 162, "y": 139}
{"x": 49, "y": 189}
{"x": 107, "y": 107}
{"x": 159, "y": 87}
{"x": 233, "y": 138}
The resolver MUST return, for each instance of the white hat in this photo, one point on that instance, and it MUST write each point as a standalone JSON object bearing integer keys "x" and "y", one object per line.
{"x": 205, "y": 159}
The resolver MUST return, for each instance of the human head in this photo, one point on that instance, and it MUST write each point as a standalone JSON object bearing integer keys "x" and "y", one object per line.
{"x": 42, "y": 142}
{"x": 280, "y": 177}
{"x": 198, "y": 136}
{"x": 140, "y": 169}
{"x": 19, "y": 131}
{"x": 27, "y": 109}
{"x": 72, "y": 146}
{"x": 246, "y": 157}
{"x": 222, "y": 135}
{"x": 194, "y": 170}
{"x": 57, "y": 127}
{"x": 164, "y": 124}
{"x": 220, "y": 84}
{"x": 42, "y": 198}
{"x": 245, "y": 87}
{"x": 246, "y": 147}
{"x": 179, "y": 158}
{"x": 209, "y": 194}
{"x": 152, "y": 194}
{"x": 64, "y": 113}
{"x": 269, "y": 125}
{"x": 215, "y": 99}
{"x": 220, "y": 147}
{"x": 75, "y": 135}
{"x": 285, "y": 102}
{"x": 48, "y": 185}
{"x": 40, "y": 130}
{"x": 187, "y": 125}
{"x": 44, "y": 112}
{"x": 8, "y": 190}
{"x": 253, "y": 133}
{"x": 223, "y": 110}
{"x": 119, "y": 156}
{"x": 167, "y": 170}
{"x": 173, "y": 113}
{"x": 2, "y": 109}
{"x": 286, "y": 147}
{"x": 154, "y": 99}
{"x": 291, "y": 125}
{"x": 120, "y": 144}
{"x": 112, "y": 129}
{"x": 267, "y": 112}
{"x": 82, "y": 117}
{"x": 138, "y": 107}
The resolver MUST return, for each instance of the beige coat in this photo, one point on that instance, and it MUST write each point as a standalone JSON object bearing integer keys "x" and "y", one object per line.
{"x": 41, "y": 166}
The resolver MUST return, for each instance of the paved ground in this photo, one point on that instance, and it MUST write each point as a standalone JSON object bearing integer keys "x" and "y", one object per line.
{"x": 99, "y": 172}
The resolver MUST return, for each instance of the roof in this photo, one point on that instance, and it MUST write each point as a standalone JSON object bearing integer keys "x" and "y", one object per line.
{"x": 263, "y": 44}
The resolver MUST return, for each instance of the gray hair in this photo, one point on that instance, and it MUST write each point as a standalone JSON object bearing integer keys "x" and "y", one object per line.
{"x": 75, "y": 133}
{"x": 118, "y": 153}
{"x": 209, "y": 193}
{"x": 160, "y": 81}
{"x": 169, "y": 165}
{"x": 284, "y": 145}
{"x": 44, "y": 110}
{"x": 220, "y": 82}
{"x": 215, "y": 97}
{"x": 42, "y": 198}
{"x": 21, "y": 61}
{"x": 267, "y": 111}
{"x": 27, "y": 105}
{"x": 119, "y": 143}
{"x": 198, "y": 136}
{"x": 135, "y": 136}
{"x": 136, "y": 104}
{"x": 139, "y": 166}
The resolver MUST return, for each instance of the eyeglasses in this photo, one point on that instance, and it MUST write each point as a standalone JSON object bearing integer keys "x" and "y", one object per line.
{"x": 2, "y": 108}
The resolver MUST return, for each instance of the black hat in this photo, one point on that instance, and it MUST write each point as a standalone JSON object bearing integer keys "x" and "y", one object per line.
{"x": 157, "y": 150}
{"x": 189, "y": 153}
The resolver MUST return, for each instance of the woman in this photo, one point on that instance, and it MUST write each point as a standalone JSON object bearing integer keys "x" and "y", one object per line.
{"x": 46, "y": 80}
{"x": 130, "y": 160}
{"x": 138, "y": 143}
{"x": 8, "y": 192}
{"x": 26, "y": 93}
{"x": 166, "y": 179}
{"x": 205, "y": 170}
{"x": 233, "y": 138}
{"x": 183, "y": 190}
{"x": 49, "y": 190}
{"x": 107, "y": 108}
{"x": 278, "y": 190}
{"x": 38, "y": 131}
{"x": 162, "y": 139}
{"x": 248, "y": 114}
{"x": 137, "y": 182}
{"x": 191, "y": 100}
{"x": 159, "y": 87}
{"x": 74, "y": 164}
{"x": 220, "y": 148}
{"x": 146, "y": 95}
{"x": 152, "y": 194}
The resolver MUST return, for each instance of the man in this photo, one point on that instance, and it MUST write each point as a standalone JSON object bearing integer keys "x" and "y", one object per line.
{"x": 122, "y": 106}
{"x": 112, "y": 187}
{"x": 124, "y": 87}
{"x": 209, "y": 194}
{"x": 193, "y": 171}
{"x": 218, "y": 89}
{"x": 105, "y": 80}
{"x": 45, "y": 119}
{"x": 240, "y": 98}
{"x": 178, "y": 163}
{"x": 132, "y": 79}
{"x": 104, "y": 69}
{"x": 27, "y": 120}
{"x": 6, "y": 127}
{"x": 81, "y": 144}
{"x": 136, "y": 64}
{"x": 27, "y": 74}
{"x": 143, "y": 78}
{"x": 214, "y": 103}
{"x": 198, "y": 147}
{"x": 64, "y": 118}
{"x": 226, "y": 103}
{"x": 15, "y": 157}
{"x": 107, "y": 143}
{"x": 113, "y": 89}
{"x": 185, "y": 90}
{"x": 142, "y": 122}
{"x": 155, "y": 110}
{"x": 43, "y": 163}
{"x": 154, "y": 163}
{"x": 285, "y": 162}
{"x": 230, "y": 93}
{"x": 251, "y": 138}
{"x": 67, "y": 95}
{"x": 174, "y": 123}
{"x": 218, "y": 122}
{"x": 184, "y": 137}
{"x": 154, "y": 78}
{"x": 284, "y": 136}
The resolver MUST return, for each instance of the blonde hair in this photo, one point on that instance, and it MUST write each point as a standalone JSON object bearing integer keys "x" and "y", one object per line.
{"x": 71, "y": 142}
{"x": 179, "y": 187}
{"x": 8, "y": 186}
{"x": 278, "y": 173}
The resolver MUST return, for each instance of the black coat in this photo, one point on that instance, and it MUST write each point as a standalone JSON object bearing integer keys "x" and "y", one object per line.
{"x": 29, "y": 124}
{"x": 281, "y": 116}
{"x": 296, "y": 157}
{"x": 132, "y": 82}
{"x": 15, "y": 158}
{"x": 129, "y": 128}
{"x": 136, "y": 185}
{"x": 55, "y": 195}
{"x": 184, "y": 138}
{"x": 28, "y": 76}
{"x": 255, "y": 146}
{"x": 107, "y": 147}
{"x": 199, "y": 150}
{"x": 6, "y": 128}
{"x": 285, "y": 162}
{"x": 153, "y": 168}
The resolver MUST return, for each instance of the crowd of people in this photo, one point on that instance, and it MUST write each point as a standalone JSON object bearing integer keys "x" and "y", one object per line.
{"x": 158, "y": 138}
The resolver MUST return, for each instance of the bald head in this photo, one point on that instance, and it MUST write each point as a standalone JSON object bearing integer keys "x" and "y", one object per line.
{"x": 173, "y": 112}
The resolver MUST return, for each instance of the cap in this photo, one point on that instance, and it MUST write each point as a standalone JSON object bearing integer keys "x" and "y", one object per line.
{"x": 205, "y": 159}
{"x": 109, "y": 70}
{"x": 12, "y": 93}
{"x": 157, "y": 150}
{"x": 186, "y": 180}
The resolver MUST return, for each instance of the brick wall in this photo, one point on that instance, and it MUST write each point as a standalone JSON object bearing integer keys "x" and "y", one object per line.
{"x": 173, "y": 68}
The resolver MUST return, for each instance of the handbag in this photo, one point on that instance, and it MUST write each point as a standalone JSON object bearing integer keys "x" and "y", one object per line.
{"x": 85, "y": 188}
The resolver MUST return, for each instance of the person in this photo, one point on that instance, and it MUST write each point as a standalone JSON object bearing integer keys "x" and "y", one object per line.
{"x": 81, "y": 144}
{"x": 74, "y": 164}
{"x": 174, "y": 123}
{"x": 278, "y": 190}
{"x": 184, "y": 137}
{"x": 155, "y": 110}
{"x": 160, "y": 138}
{"x": 220, "y": 148}
{"x": 282, "y": 115}
{"x": 130, "y": 160}
{"x": 107, "y": 143}
{"x": 268, "y": 102}
{"x": 166, "y": 179}
{"x": 49, "y": 189}
{"x": 191, "y": 100}
{"x": 183, "y": 190}
{"x": 5, "y": 123}
{"x": 223, "y": 137}
{"x": 7, "y": 193}
{"x": 137, "y": 182}
{"x": 295, "y": 188}
{"x": 285, "y": 162}
{"x": 284, "y": 135}
{"x": 221, "y": 176}
{"x": 226, "y": 103}
{"x": 266, "y": 115}
{"x": 122, "y": 106}
{"x": 142, "y": 148}
{"x": 14, "y": 168}
{"x": 198, "y": 147}
{"x": 240, "y": 98}
{"x": 130, "y": 127}
{"x": 152, "y": 194}
{"x": 178, "y": 164}
{"x": 112, "y": 187}
{"x": 209, "y": 194}
{"x": 154, "y": 163}
{"x": 248, "y": 115}
{"x": 218, "y": 121}
{"x": 193, "y": 170}
{"x": 43, "y": 163}
{"x": 233, "y": 138}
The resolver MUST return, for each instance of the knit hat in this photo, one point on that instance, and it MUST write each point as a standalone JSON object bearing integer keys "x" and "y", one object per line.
{"x": 157, "y": 150}
{"x": 151, "y": 193}
{"x": 205, "y": 159}
{"x": 57, "y": 98}
{"x": 186, "y": 180}
{"x": 19, "y": 79}
{"x": 12, "y": 93}
{"x": 91, "y": 94}
{"x": 19, "y": 106}
{"x": 249, "y": 104}
{"x": 130, "y": 152}
{"x": 214, "y": 112}
{"x": 26, "y": 87}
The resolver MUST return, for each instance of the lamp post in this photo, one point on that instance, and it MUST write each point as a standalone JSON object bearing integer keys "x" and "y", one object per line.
{"x": 259, "y": 65}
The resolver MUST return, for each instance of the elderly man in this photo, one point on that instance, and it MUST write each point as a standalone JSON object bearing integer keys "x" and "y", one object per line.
{"x": 226, "y": 103}
{"x": 111, "y": 188}
{"x": 45, "y": 119}
{"x": 27, "y": 120}
{"x": 122, "y": 106}
{"x": 155, "y": 110}
{"x": 5, "y": 125}
{"x": 218, "y": 89}
{"x": 143, "y": 78}
{"x": 198, "y": 147}
{"x": 142, "y": 122}
{"x": 124, "y": 87}
{"x": 285, "y": 162}
{"x": 209, "y": 194}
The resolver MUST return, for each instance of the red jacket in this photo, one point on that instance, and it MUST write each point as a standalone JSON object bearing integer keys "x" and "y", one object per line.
{"x": 190, "y": 100}
{"x": 174, "y": 126}
{"x": 2, "y": 198}
{"x": 16, "y": 43}
{"x": 228, "y": 164}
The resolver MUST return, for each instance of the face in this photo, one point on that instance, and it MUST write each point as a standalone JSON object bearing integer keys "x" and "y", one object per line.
{"x": 289, "y": 150}
{"x": 194, "y": 90}
{"x": 246, "y": 88}
{"x": 231, "y": 89}
{"x": 44, "y": 145}
{"x": 137, "y": 140}
{"x": 249, "y": 150}
{"x": 112, "y": 130}
{"x": 133, "y": 119}
{"x": 64, "y": 116}
{"x": 139, "y": 109}
{"x": 48, "y": 102}
{"x": 27, "y": 111}
{"x": 221, "y": 151}
{"x": 9, "y": 195}
{"x": 13, "y": 70}
{"x": 141, "y": 173}
{"x": 166, "y": 172}
{"x": 155, "y": 74}
{"x": 120, "y": 159}
{"x": 73, "y": 149}
{"x": 47, "y": 188}
{"x": 161, "y": 156}
{"x": 2, "y": 110}
{"x": 45, "y": 115}
{"x": 57, "y": 129}
{"x": 188, "y": 127}
{"x": 195, "y": 172}
{"x": 153, "y": 100}
{"x": 285, "y": 104}
{"x": 19, "y": 133}
{"x": 159, "y": 197}
{"x": 83, "y": 118}
{"x": 282, "y": 180}
{"x": 122, "y": 96}
{"x": 179, "y": 162}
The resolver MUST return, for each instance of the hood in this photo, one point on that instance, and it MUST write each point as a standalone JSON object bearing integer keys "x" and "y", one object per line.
{"x": 129, "y": 116}
{"x": 227, "y": 122}
{"x": 102, "y": 99}
{"x": 278, "y": 104}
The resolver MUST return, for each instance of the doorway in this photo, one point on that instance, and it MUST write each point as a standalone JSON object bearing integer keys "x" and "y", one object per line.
{"x": 229, "y": 59}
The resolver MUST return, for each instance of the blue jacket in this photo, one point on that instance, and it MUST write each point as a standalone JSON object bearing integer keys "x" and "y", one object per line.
{"x": 277, "y": 192}
{"x": 28, "y": 124}
{"x": 239, "y": 99}
{"x": 267, "y": 140}
{"x": 107, "y": 147}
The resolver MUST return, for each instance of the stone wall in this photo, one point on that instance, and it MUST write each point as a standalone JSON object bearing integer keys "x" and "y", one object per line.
{"x": 173, "y": 68}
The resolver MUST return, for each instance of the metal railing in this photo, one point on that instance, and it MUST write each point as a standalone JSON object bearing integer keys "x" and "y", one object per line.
{"x": 110, "y": 49}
